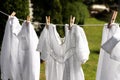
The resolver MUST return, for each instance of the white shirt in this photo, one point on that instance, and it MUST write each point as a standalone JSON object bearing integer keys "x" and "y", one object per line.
{"x": 9, "y": 50}
{"x": 108, "y": 69}
{"x": 112, "y": 45}
{"x": 29, "y": 58}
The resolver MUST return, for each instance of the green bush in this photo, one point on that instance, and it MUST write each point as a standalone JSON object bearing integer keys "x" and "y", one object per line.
{"x": 77, "y": 9}
{"x": 118, "y": 17}
{"x": 59, "y": 10}
{"x": 44, "y": 8}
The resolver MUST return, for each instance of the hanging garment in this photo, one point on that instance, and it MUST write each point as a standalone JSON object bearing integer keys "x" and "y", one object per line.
{"x": 9, "y": 50}
{"x": 112, "y": 46}
{"x": 76, "y": 53}
{"x": 108, "y": 69}
{"x": 49, "y": 46}
{"x": 29, "y": 58}
{"x": 59, "y": 56}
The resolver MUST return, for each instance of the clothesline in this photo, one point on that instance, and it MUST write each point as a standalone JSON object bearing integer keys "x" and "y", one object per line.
{"x": 18, "y": 19}
{"x": 38, "y": 23}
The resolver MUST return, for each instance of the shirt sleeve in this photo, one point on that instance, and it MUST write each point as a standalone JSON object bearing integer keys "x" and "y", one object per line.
{"x": 43, "y": 44}
{"x": 82, "y": 49}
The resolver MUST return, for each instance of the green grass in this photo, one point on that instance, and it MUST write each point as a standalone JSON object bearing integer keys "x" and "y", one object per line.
{"x": 42, "y": 72}
{"x": 93, "y": 35}
{"x": 93, "y": 21}
{"x": 94, "y": 39}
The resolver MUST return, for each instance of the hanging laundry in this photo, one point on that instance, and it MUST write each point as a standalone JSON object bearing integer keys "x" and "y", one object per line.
{"x": 76, "y": 52}
{"x": 112, "y": 46}
{"x": 63, "y": 60}
{"x": 49, "y": 46}
{"x": 108, "y": 69}
{"x": 9, "y": 50}
{"x": 29, "y": 58}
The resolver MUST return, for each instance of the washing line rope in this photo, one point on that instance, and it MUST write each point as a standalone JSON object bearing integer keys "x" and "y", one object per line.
{"x": 18, "y": 19}
{"x": 38, "y": 23}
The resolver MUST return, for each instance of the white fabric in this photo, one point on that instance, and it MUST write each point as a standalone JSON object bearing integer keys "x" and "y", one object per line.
{"x": 77, "y": 51}
{"x": 29, "y": 58}
{"x": 63, "y": 60}
{"x": 9, "y": 50}
{"x": 112, "y": 46}
{"x": 108, "y": 69}
{"x": 49, "y": 47}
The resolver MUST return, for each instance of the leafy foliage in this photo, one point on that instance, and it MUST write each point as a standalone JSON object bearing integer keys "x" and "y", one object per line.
{"x": 77, "y": 9}
{"x": 44, "y": 8}
{"x": 118, "y": 17}
{"x": 59, "y": 10}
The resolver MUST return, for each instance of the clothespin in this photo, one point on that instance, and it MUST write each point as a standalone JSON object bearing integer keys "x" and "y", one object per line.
{"x": 113, "y": 18}
{"x": 28, "y": 19}
{"x": 47, "y": 21}
{"x": 13, "y": 13}
{"x": 72, "y": 20}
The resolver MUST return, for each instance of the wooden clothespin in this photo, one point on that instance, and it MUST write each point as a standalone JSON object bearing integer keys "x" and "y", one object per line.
{"x": 113, "y": 18}
{"x": 28, "y": 19}
{"x": 115, "y": 15}
{"x": 13, "y": 13}
{"x": 72, "y": 20}
{"x": 47, "y": 21}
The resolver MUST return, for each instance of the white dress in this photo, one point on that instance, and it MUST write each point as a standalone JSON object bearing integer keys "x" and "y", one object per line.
{"x": 49, "y": 46}
{"x": 9, "y": 50}
{"x": 63, "y": 60}
{"x": 76, "y": 52}
{"x": 108, "y": 69}
{"x": 29, "y": 58}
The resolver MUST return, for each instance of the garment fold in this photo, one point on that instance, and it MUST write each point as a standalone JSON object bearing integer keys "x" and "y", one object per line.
{"x": 29, "y": 58}
{"x": 108, "y": 68}
{"x": 63, "y": 57}
{"x": 9, "y": 50}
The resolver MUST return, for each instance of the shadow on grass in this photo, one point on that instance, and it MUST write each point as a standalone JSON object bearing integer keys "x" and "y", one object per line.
{"x": 95, "y": 51}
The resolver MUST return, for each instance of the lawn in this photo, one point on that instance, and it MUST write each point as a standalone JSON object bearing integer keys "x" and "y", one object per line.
{"x": 93, "y": 34}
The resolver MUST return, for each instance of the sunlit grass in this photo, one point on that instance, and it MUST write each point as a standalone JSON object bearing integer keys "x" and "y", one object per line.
{"x": 94, "y": 39}
{"x": 42, "y": 72}
{"x": 91, "y": 20}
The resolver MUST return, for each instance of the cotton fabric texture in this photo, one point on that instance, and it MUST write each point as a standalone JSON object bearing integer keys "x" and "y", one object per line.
{"x": 112, "y": 46}
{"x": 29, "y": 58}
{"x": 63, "y": 59}
{"x": 76, "y": 53}
{"x": 9, "y": 50}
{"x": 108, "y": 69}
{"x": 50, "y": 52}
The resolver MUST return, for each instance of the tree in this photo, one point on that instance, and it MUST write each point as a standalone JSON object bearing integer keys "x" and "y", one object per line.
{"x": 77, "y": 9}
{"x": 59, "y": 10}
{"x": 50, "y": 8}
{"x": 44, "y": 8}
{"x": 8, "y": 6}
